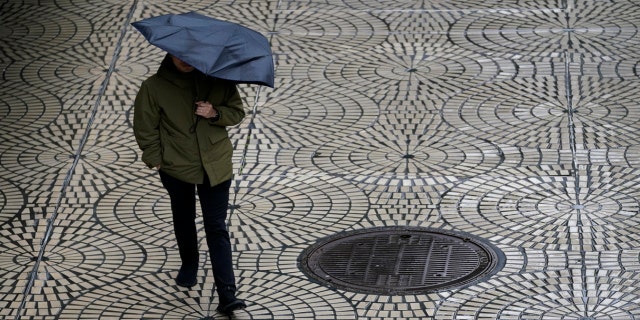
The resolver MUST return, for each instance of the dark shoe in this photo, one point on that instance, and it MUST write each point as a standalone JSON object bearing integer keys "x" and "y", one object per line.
{"x": 231, "y": 306}
{"x": 187, "y": 276}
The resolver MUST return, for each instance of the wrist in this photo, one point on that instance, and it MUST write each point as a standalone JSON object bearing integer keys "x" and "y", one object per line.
{"x": 216, "y": 115}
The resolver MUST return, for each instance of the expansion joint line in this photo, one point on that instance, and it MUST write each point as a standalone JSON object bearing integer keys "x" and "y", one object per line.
{"x": 245, "y": 151}
{"x": 51, "y": 220}
{"x": 576, "y": 173}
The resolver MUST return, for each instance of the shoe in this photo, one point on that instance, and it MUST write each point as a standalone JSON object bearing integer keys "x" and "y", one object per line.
{"x": 187, "y": 276}
{"x": 231, "y": 306}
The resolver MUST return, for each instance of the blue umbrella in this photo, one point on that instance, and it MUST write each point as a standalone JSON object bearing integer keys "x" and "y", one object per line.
{"x": 218, "y": 48}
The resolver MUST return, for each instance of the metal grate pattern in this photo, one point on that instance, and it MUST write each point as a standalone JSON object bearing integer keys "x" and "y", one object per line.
{"x": 400, "y": 260}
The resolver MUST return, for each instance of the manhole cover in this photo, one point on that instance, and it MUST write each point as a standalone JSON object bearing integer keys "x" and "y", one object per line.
{"x": 400, "y": 260}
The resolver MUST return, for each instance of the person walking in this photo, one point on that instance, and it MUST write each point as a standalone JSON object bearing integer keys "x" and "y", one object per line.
{"x": 180, "y": 120}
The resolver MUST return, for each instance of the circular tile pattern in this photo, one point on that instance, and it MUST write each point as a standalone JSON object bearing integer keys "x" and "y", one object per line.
{"x": 552, "y": 295}
{"x": 110, "y": 156}
{"x": 269, "y": 296}
{"x": 607, "y": 114}
{"x": 274, "y": 208}
{"x": 626, "y": 260}
{"x": 17, "y": 253}
{"x": 513, "y": 33}
{"x": 129, "y": 73}
{"x": 400, "y": 260}
{"x": 409, "y": 212}
{"x": 25, "y": 110}
{"x": 45, "y": 159}
{"x": 74, "y": 80}
{"x": 267, "y": 210}
{"x": 413, "y": 150}
{"x": 37, "y": 164}
{"x": 320, "y": 32}
{"x": 316, "y": 32}
{"x": 604, "y": 30}
{"x": 385, "y": 4}
{"x": 517, "y": 113}
{"x": 306, "y": 113}
{"x": 75, "y": 257}
{"x": 41, "y": 158}
{"x": 156, "y": 296}
{"x": 400, "y": 68}
{"x": 549, "y": 212}
{"x": 625, "y": 157}
{"x": 24, "y": 39}
{"x": 12, "y": 200}
{"x": 419, "y": 6}
{"x": 139, "y": 210}
{"x": 512, "y": 113}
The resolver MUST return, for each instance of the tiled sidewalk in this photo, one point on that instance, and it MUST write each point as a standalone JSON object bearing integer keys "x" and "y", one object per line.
{"x": 515, "y": 121}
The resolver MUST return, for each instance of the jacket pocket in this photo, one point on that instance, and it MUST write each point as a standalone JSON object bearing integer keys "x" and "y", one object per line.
{"x": 180, "y": 152}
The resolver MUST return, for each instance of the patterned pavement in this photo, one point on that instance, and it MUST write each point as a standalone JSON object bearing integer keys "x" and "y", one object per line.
{"x": 516, "y": 121}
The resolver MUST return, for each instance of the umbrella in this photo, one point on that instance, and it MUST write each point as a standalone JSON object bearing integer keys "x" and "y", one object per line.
{"x": 218, "y": 48}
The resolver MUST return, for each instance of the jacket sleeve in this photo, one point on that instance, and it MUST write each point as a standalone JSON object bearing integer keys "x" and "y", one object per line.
{"x": 232, "y": 111}
{"x": 146, "y": 126}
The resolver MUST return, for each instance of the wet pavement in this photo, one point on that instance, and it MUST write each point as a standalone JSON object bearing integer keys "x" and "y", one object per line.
{"x": 513, "y": 121}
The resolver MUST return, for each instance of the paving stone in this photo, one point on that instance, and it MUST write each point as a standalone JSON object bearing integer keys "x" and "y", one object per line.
{"x": 516, "y": 121}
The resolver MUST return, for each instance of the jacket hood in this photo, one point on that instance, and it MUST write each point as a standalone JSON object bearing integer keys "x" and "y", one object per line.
{"x": 169, "y": 71}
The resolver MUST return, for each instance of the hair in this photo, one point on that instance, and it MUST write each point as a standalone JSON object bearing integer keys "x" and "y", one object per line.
{"x": 168, "y": 63}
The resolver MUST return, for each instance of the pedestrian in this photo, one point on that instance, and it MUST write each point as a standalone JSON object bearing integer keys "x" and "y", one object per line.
{"x": 180, "y": 120}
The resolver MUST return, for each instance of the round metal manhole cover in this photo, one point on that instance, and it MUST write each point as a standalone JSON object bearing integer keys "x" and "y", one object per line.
{"x": 400, "y": 260}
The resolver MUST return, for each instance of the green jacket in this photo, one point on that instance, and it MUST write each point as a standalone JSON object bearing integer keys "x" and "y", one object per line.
{"x": 164, "y": 120}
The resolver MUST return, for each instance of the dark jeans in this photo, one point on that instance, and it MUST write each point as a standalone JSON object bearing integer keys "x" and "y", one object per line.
{"x": 214, "y": 202}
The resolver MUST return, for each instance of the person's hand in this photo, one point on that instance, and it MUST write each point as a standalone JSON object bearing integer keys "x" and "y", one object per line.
{"x": 206, "y": 110}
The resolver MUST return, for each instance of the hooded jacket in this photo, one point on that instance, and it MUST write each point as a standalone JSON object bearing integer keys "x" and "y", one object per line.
{"x": 171, "y": 136}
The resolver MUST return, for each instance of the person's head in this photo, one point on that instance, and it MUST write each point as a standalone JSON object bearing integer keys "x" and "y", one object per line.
{"x": 181, "y": 65}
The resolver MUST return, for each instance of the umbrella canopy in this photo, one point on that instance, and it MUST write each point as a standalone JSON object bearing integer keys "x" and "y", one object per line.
{"x": 217, "y": 48}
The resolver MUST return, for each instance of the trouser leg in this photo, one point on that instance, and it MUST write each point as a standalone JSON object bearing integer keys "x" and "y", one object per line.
{"x": 215, "y": 202}
{"x": 183, "y": 208}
